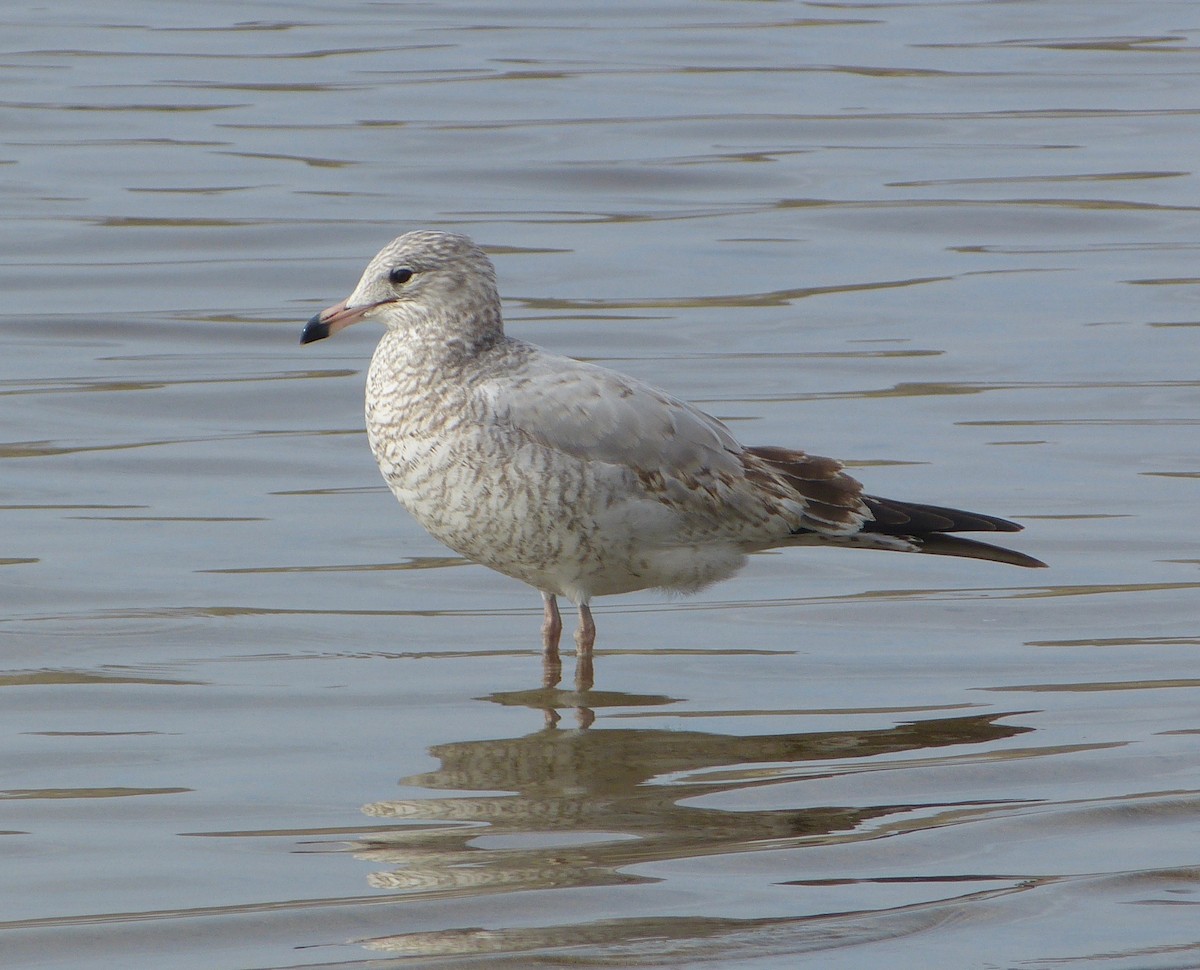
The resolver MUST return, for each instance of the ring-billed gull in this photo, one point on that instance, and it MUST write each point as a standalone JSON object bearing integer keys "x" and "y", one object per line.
{"x": 576, "y": 479}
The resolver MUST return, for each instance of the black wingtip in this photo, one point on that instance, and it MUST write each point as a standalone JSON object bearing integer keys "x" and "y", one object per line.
{"x": 927, "y": 526}
{"x": 909, "y": 518}
{"x": 940, "y": 544}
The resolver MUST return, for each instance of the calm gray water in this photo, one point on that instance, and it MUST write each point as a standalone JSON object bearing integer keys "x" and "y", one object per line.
{"x": 255, "y": 718}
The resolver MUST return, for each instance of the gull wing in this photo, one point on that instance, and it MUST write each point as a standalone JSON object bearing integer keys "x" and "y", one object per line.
{"x": 682, "y": 456}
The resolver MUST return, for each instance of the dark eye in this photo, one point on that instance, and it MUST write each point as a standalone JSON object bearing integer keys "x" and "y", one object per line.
{"x": 400, "y": 275}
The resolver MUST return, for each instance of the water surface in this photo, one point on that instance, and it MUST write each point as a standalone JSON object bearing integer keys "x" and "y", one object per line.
{"x": 256, "y": 718}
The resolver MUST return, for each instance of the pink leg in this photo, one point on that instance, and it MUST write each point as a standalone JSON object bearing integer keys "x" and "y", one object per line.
{"x": 585, "y": 636}
{"x": 585, "y": 639}
{"x": 551, "y": 624}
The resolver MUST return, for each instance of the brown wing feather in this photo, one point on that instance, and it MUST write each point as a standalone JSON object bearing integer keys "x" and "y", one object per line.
{"x": 834, "y": 498}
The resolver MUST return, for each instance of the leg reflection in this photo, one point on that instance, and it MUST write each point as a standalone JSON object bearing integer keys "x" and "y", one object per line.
{"x": 551, "y": 631}
{"x": 585, "y": 639}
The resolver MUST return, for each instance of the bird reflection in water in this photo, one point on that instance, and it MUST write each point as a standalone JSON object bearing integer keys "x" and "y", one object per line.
{"x": 561, "y": 809}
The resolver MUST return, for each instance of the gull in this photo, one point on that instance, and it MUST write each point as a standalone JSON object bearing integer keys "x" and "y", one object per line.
{"x": 579, "y": 480}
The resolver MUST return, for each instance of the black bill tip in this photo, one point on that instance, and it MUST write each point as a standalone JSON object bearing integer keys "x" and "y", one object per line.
{"x": 315, "y": 329}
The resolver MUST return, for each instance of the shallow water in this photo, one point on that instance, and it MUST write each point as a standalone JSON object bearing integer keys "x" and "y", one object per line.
{"x": 256, "y": 718}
